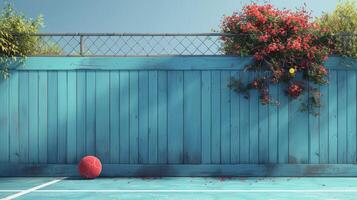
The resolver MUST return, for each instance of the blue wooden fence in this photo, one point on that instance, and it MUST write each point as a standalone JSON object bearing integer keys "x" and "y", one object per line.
{"x": 170, "y": 116}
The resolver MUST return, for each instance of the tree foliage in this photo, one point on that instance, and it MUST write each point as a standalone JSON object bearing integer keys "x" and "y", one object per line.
{"x": 342, "y": 23}
{"x": 17, "y": 40}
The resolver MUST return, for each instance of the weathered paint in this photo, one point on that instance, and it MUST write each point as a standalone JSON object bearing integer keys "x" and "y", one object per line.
{"x": 168, "y": 110}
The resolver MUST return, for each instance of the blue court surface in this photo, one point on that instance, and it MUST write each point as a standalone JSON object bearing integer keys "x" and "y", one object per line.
{"x": 179, "y": 188}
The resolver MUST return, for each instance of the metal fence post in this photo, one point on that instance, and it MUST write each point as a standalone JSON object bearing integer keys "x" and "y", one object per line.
{"x": 81, "y": 45}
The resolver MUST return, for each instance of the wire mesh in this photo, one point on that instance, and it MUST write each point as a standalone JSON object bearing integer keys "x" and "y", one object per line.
{"x": 129, "y": 44}
{"x": 161, "y": 44}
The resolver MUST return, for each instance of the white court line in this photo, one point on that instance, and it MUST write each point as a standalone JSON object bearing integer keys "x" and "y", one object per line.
{"x": 193, "y": 191}
{"x": 23, "y": 192}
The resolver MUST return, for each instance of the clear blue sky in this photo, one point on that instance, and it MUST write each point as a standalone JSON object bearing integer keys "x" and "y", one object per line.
{"x": 144, "y": 15}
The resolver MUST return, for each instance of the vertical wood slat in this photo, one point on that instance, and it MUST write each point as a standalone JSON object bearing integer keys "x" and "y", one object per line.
{"x": 90, "y": 112}
{"x": 153, "y": 117}
{"x": 239, "y": 145}
{"x": 62, "y": 106}
{"x": 42, "y": 116}
{"x": 324, "y": 125}
{"x": 341, "y": 118}
{"x": 250, "y": 124}
{"x": 175, "y": 117}
{"x": 114, "y": 92}
{"x": 33, "y": 118}
{"x": 332, "y": 121}
{"x": 216, "y": 118}
{"x": 283, "y": 127}
{"x": 124, "y": 140}
{"x": 192, "y": 117}
{"x": 162, "y": 117}
{"x": 298, "y": 132}
{"x": 72, "y": 117}
{"x": 81, "y": 115}
{"x": 314, "y": 133}
{"x": 263, "y": 136}
{"x": 4, "y": 121}
{"x": 24, "y": 116}
{"x": 273, "y": 125}
{"x": 351, "y": 117}
{"x": 206, "y": 132}
{"x": 14, "y": 118}
{"x": 143, "y": 138}
{"x": 225, "y": 119}
{"x": 134, "y": 117}
{"x": 52, "y": 116}
{"x": 102, "y": 139}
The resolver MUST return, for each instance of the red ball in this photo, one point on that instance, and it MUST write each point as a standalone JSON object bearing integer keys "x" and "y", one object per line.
{"x": 90, "y": 167}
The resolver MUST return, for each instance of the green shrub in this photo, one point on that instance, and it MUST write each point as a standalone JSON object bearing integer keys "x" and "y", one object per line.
{"x": 342, "y": 23}
{"x": 17, "y": 40}
{"x": 15, "y": 36}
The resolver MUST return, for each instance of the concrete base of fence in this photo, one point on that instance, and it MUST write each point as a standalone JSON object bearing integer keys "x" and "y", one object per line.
{"x": 126, "y": 170}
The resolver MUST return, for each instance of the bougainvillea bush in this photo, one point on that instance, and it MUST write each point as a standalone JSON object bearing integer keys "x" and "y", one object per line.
{"x": 284, "y": 43}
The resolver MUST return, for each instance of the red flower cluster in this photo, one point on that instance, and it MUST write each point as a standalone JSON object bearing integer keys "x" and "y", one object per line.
{"x": 278, "y": 40}
{"x": 294, "y": 90}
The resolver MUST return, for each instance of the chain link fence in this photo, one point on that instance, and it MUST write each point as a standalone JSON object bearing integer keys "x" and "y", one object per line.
{"x": 129, "y": 44}
{"x": 122, "y": 44}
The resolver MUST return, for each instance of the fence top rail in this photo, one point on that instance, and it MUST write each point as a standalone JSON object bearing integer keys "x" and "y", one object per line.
{"x": 149, "y": 34}
{"x": 135, "y": 34}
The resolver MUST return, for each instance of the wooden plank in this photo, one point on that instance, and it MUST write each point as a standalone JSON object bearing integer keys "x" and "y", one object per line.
{"x": 124, "y": 138}
{"x": 14, "y": 118}
{"x": 332, "y": 129}
{"x": 216, "y": 118}
{"x": 33, "y": 118}
{"x": 72, "y": 117}
{"x": 314, "y": 133}
{"x": 192, "y": 117}
{"x": 175, "y": 117}
{"x": 263, "y": 137}
{"x": 4, "y": 120}
{"x": 42, "y": 116}
{"x": 102, "y": 139}
{"x": 52, "y": 116}
{"x": 273, "y": 125}
{"x": 134, "y": 121}
{"x": 235, "y": 132}
{"x": 225, "y": 118}
{"x": 351, "y": 117}
{"x": 153, "y": 117}
{"x": 298, "y": 132}
{"x": 81, "y": 115}
{"x": 206, "y": 120}
{"x": 208, "y": 170}
{"x": 283, "y": 126}
{"x": 167, "y": 63}
{"x": 252, "y": 125}
{"x": 324, "y": 127}
{"x": 341, "y": 117}
{"x": 162, "y": 116}
{"x": 114, "y": 117}
{"x": 62, "y": 117}
{"x": 24, "y": 116}
{"x": 90, "y": 113}
{"x": 143, "y": 117}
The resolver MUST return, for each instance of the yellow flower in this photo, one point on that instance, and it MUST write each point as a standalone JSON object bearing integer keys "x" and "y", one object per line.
{"x": 292, "y": 71}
